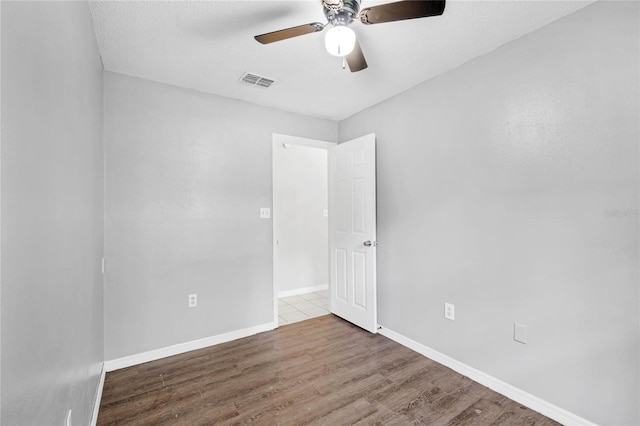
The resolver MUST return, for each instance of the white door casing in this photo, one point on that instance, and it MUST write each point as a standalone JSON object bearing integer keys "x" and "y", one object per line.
{"x": 352, "y": 231}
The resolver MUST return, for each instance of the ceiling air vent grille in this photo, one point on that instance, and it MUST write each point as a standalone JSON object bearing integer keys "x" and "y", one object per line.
{"x": 256, "y": 80}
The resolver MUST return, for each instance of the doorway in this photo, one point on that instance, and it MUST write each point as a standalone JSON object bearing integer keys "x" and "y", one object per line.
{"x": 300, "y": 228}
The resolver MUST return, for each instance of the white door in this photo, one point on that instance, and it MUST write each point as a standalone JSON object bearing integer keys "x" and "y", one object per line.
{"x": 352, "y": 231}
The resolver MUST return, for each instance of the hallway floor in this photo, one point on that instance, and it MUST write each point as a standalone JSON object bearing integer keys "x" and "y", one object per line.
{"x": 303, "y": 306}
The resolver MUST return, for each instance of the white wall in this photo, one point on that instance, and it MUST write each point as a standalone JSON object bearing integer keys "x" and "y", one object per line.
{"x": 186, "y": 175}
{"x": 52, "y": 209}
{"x": 300, "y": 195}
{"x": 495, "y": 183}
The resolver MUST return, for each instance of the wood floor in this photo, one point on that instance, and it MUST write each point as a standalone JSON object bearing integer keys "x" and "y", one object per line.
{"x": 321, "y": 371}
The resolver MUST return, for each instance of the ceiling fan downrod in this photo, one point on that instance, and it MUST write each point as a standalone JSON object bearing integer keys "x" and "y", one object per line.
{"x": 333, "y": 4}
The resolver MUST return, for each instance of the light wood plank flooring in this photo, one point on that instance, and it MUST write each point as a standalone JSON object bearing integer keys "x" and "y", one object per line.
{"x": 321, "y": 371}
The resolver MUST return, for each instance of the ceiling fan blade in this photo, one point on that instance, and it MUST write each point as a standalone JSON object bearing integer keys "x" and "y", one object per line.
{"x": 355, "y": 59}
{"x": 401, "y": 10}
{"x": 289, "y": 33}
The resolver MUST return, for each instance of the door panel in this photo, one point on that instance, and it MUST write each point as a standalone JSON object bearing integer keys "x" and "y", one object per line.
{"x": 359, "y": 279}
{"x": 352, "y": 222}
{"x": 359, "y": 207}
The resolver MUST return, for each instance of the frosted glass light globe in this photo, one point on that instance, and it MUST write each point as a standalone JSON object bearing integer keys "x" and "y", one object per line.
{"x": 339, "y": 40}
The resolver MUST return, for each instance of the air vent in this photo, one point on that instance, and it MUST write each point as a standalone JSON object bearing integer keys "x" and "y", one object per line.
{"x": 256, "y": 80}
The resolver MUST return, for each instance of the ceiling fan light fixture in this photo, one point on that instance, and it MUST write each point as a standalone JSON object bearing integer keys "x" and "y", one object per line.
{"x": 340, "y": 40}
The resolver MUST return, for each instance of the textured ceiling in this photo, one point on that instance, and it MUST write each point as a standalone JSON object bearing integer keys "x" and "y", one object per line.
{"x": 208, "y": 45}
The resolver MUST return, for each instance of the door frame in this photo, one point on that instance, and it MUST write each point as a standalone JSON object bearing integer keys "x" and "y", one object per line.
{"x": 278, "y": 140}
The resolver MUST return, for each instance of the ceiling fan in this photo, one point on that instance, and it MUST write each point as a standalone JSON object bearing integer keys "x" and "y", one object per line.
{"x": 340, "y": 40}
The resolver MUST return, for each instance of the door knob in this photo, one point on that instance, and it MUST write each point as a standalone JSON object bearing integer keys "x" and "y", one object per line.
{"x": 370, "y": 243}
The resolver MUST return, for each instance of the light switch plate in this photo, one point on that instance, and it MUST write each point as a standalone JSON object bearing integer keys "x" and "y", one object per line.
{"x": 520, "y": 333}
{"x": 265, "y": 213}
{"x": 450, "y": 311}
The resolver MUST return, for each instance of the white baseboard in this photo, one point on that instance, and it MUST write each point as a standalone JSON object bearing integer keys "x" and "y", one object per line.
{"x": 96, "y": 404}
{"x": 128, "y": 361}
{"x": 304, "y": 290}
{"x": 543, "y": 407}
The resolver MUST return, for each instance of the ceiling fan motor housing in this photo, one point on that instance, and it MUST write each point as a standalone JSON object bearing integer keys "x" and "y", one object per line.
{"x": 345, "y": 15}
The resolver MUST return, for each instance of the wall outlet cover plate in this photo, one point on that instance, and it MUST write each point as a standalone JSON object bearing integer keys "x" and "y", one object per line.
{"x": 193, "y": 300}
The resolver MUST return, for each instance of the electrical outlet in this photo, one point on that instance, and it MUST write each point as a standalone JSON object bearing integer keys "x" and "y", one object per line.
{"x": 520, "y": 333}
{"x": 265, "y": 213}
{"x": 449, "y": 311}
{"x": 193, "y": 300}
{"x": 67, "y": 419}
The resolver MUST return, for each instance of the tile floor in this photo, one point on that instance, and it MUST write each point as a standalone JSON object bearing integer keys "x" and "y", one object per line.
{"x": 303, "y": 306}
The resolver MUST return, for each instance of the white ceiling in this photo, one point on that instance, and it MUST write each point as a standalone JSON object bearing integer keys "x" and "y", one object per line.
{"x": 208, "y": 45}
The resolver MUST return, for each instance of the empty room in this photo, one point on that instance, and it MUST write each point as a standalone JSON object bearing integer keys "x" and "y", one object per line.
{"x": 327, "y": 212}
